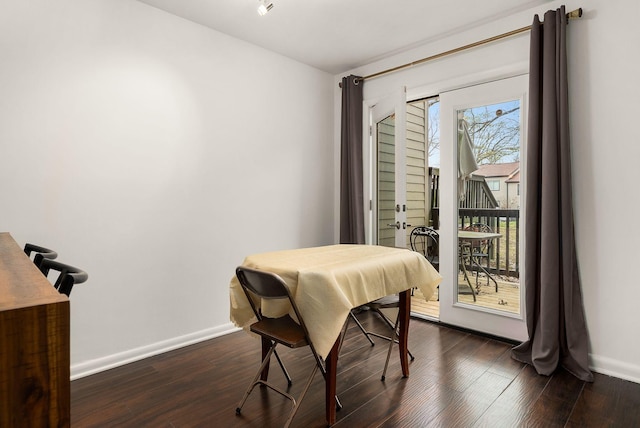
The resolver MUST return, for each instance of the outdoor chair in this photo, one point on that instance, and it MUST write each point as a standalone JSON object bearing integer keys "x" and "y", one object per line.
{"x": 464, "y": 258}
{"x": 424, "y": 240}
{"x": 478, "y": 251}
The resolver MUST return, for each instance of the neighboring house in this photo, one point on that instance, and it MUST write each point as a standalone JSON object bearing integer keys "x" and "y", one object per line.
{"x": 504, "y": 181}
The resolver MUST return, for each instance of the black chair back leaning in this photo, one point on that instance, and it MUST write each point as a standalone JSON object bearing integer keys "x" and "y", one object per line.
{"x": 39, "y": 253}
{"x": 282, "y": 330}
{"x": 68, "y": 275}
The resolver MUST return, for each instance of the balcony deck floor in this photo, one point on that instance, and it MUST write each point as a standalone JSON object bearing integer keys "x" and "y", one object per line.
{"x": 506, "y": 299}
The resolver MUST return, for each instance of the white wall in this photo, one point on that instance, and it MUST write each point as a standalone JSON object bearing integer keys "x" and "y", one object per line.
{"x": 604, "y": 92}
{"x": 148, "y": 151}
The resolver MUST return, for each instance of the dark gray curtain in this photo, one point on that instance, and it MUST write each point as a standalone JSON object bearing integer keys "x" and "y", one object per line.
{"x": 351, "y": 190}
{"x": 555, "y": 314}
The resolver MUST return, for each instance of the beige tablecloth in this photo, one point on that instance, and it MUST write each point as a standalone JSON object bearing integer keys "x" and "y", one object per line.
{"x": 327, "y": 282}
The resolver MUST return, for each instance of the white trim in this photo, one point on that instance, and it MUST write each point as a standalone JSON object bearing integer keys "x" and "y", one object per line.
{"x": 374, "y": 111}
{"x": 615, "y": 368}
{"x": 599, "y": 364}
{"x": 88, "y": 368}
{"x": 467, "y": 80}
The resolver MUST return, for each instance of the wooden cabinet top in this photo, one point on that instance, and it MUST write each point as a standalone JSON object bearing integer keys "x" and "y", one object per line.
{"x": 21, "y": 283}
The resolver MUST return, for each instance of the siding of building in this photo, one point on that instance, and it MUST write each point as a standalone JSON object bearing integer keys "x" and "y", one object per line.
{"x": 416, "y": 173}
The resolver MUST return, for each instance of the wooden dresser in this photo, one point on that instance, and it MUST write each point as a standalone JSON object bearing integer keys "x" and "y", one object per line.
{"x": 34, "y": 344}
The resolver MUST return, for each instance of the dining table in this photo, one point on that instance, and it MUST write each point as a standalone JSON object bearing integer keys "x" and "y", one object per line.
{"x": 327, "y": 282}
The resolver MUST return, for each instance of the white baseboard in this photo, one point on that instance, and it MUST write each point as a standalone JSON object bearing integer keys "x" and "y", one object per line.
{"x": 599, "y": 364}
{"x": 615, "y": 368}
{"x": 101, "y": 364}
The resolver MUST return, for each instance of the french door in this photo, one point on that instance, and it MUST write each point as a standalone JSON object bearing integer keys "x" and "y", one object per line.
{"x": 481, "y": 287}
{"x": 482, "y": 131}
{"x": 387, "y": 223}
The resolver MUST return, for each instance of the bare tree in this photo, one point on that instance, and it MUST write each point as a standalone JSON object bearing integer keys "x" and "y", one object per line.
{"x": 433, "y": 130}
{"x": 495, "y": 133}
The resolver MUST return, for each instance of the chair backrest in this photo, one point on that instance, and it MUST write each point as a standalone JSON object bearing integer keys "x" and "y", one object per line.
{"x": 68, "y": 275}
{"x": 265, "y": 285}
{"x": 424, "y": 240}
{"x": 40, "y": 253}
{"x": 480, "y": 227}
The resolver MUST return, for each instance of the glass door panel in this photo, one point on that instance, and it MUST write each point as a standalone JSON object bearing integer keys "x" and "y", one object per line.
{"x": 482, "y": 138}
{"x": 388, "y": 131}
{"x": 488, "y": 213}
{"x": 386, "y": 181}
{"x": 403, "y": 143}
{"x": 422, "y": 163}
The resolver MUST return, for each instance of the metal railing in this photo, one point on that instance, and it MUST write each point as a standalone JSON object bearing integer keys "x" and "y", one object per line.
{"x": 504, "y": 256}
{"x": 480, "y": 206}
{"x": 476, "y": 195}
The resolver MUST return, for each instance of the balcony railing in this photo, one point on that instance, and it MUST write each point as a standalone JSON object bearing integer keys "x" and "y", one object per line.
{"x": 477, "y": 194}
{"x": 480, "y": 206}
{"x": 504, "y": 257}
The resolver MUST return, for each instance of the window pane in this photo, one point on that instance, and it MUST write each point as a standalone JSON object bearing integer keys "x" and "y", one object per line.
{"x": 489, "y": 202}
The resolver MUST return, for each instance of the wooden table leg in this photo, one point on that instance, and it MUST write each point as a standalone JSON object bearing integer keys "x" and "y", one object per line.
{"x": 331, "y": 365}
{"x": 331, "y": 362}
{"x": 403, "y": 336}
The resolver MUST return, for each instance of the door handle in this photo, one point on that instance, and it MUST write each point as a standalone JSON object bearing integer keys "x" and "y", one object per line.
{"x": 396, "y": 225}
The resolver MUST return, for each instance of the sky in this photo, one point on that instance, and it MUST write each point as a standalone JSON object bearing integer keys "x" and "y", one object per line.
{"x": 434, "y": 116}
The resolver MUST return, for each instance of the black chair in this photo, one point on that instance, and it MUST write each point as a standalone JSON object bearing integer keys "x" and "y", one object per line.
{"x": 68, "y": 276}
{"x": 376, "y": 306}
{"x": 39, "y": 253}
{"x": 388, "y": 302}
{"x": 424, "y": 240}
{"x": 283, "y": 330}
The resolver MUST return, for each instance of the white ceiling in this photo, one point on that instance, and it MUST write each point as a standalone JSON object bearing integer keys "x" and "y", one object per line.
{"x": 339, "y": 35}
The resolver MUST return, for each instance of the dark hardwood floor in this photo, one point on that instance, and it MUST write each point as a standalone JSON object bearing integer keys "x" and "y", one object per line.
{"x": 457, "y": 380}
